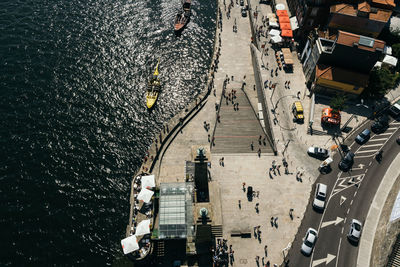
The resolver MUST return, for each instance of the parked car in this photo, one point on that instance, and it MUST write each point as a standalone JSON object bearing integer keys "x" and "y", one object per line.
{"x": 242, "y": 2}
{"x": 309, "y": 241}
{"x": 244, "y": 12}
{"x": 355, "y": 230}
{"x": 363, "y": 136}
{"x": 250, "y": 193}
{"x": 380, "y": 125}
{"x": 320, "y": 196}
{"x": 394, "y": 110}
{"x": 318, "y": 152}
{"x": 347, "y": 161}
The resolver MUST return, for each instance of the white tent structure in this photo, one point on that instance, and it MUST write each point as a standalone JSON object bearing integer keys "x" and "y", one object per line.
{"x": 274, "y": 32}
{"x": 276, "y": 39}
{"x": 148, "y": 181}
{"x": 390, "y": 60}
{"x": 273, "y": 24}
{"x": 145, "y": 195}
{"x": 129, "y": 244}
{"x": 143, "y": 228}
{"x": 280, "y": 7}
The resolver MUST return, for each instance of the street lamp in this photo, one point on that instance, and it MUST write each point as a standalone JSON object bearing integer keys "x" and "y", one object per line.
{"x": 362, "y": 104}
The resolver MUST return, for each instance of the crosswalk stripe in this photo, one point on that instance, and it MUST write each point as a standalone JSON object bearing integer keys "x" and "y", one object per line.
{"x": 366, "y": 151}
{"x": 372, "y": 145}
{"x": 377, "y": 139}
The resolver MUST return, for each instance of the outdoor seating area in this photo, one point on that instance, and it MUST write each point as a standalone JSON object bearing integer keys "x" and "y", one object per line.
{"x": 138, "y": 243}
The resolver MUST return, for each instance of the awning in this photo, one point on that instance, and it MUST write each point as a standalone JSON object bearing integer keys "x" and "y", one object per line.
{"x": 387, "y": 50}
{"x": 284, "y": 19}
{"x": 280, "y": 7}
{"x": 281, "y": 13}
{"x": 274, "y": 32}
{"x": 294, "y": 23}
{"x": 129, "y": 244}
{"x": 143, "y": 228}
{"x": 287, "y": 33}
{"x": 145, "y": 195}
{"x": 276, "y": 39}
{"x": 148, "y": 181}
{"x": 285, "y": 26}
{"x": 273, "y": 24}
{"x": 378, "y": 64}
{"x": 390, "y": 60}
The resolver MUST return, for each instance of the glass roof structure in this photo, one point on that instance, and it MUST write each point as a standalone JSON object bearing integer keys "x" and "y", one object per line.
{"x": 176, "y": 218}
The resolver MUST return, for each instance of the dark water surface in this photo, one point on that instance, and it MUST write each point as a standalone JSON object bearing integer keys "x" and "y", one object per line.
{"x": 74, "y": 126}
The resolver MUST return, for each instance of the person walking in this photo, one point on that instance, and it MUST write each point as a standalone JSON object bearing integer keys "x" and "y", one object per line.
{"x": 240, "y": 204}
{"x": 272, "y": 221}
{"x": 265, "y": 251}
{"x": 259, "y": 152}
{"x": 252, "y": 146}
{"x": 244, "y": 187}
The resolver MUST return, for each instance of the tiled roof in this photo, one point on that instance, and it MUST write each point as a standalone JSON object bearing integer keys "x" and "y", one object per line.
{"x": 351, "y": 10}
{"x": 387, "y": 3}
{"x": 341, "y": 75}
{"x": 349, "y": 39}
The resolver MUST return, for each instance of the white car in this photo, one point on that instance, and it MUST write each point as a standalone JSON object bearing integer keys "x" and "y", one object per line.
{"x": 309, "y": 241}
{"x": 318, "y": 152}
{"x": 355, "y": 230}
{"x": 320, "y": 196}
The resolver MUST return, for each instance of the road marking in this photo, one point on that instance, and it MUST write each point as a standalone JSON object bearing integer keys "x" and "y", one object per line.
{"x": 360, "y": 167}
{"x": 335, "y": 222}
{"x": 366, "y": 151}
{"x": 338, "y": 251}
{"x": 326, "y": 260}
{"x": 382, "y": 134}
{"x": 344, "y": 222}
{"x": 348, "y": 210}
{"x": 343, "y": 227}
{"x": 392, "y": 128}
{"x": 370, "y": 163}
{"x": 371, "y": 145}
{"x": 355, "y": 193}
{"x": 351, "y": 203}
{"x": 342, "y": 200}
{"x": 366, "y": 170}
{"x": 376, "y": 139}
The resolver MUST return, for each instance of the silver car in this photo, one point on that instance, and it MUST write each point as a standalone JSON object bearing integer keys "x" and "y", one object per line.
{"x": 309, "y": 241}
{"x": 355, "y": 230}
{"x": 320, "y": 196}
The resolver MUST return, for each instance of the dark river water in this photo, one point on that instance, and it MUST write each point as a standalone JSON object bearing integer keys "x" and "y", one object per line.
{"x": 74, "y": 126}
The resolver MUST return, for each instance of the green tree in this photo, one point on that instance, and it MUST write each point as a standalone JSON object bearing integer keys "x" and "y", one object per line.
{"x": 338, "y": 102}
{"x": 381, "y": 80}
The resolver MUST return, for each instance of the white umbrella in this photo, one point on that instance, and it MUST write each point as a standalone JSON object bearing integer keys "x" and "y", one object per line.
{"x": 280, "y": 7}
{"x": 148, "y": 181}
{"x": 274, "y": 32}
{"x": 145, "y": 195}
{"x": 390, "y": 60}
{"x": 276, "y": 39}
{"x": 143, "y": 228}
{"x": 273, "y": 24}
{"x": 129, "y": 244}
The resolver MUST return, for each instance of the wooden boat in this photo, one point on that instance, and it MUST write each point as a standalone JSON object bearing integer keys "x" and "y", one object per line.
{"x": 153, "y": 88}
{"x": 183, "y": 17}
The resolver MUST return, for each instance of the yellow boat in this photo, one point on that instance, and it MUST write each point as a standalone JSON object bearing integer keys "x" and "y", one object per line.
{"x": 153, "y": 88}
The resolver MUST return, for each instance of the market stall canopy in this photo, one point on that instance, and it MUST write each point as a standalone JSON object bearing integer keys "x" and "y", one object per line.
{"x": 274, "y": 32}
{"x": 285, "y": 26}
{"x": 145, "y": 195}
{"x": 282, "y": 13}
{"x": 287, "y": 56}
{"x": 129, "y": 244}
{"x": 143, "y": 228}
{"x": 287, "y": 33}
{"x": 273, "y": 24}
{"x": 284, "y": 19}
{"x": 390, "y": 60}
{"x": 294, "y": 23}
{"x": 276, "y": 39}
{"x": 280, "y": 7}
{"x": 148, "y": 181}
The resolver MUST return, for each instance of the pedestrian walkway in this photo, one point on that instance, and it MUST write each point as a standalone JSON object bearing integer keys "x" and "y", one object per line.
{"x": 238, "y": 129}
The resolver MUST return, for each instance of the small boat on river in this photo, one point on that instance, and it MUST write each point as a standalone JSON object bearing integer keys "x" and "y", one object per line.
{"x": 183, "y": 16}
{"x": 153, "y": 88}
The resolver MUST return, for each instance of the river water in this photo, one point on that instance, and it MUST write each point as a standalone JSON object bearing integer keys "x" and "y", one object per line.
{"x": 74, "y": 126}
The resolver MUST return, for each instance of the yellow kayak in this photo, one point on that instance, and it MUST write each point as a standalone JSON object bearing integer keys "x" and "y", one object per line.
{"x": 153, "y": 88}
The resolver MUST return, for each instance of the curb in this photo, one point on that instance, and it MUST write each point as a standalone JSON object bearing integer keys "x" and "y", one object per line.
{"x": 374, "y": 213}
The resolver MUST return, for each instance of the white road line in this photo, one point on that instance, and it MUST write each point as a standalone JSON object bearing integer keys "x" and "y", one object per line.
{"x": 392, "y": 128}
{"x": 344, "y": 222}
{"x": 377, "y": 139}
{"x": 382, "y": 134}
{"x": 355, "y": 193}
{"x": 370, "y": 163}
{"x": 366, "y": 151}
{"x": 351, "y": 203}
{"x": 343, "y": 228}
{"x": 366, "y": 170}
{"x": 338, "y": 251}
{"x": 348, "y": 210}
{"x": 372, "y": 145}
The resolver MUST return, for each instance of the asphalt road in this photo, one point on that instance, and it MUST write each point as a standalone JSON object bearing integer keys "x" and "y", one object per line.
{"x": 349, "y": 196}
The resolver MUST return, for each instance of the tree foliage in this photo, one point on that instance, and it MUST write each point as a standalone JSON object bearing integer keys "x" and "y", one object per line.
{"x": 381, "y": 80}
{"x": 338, "y": 102}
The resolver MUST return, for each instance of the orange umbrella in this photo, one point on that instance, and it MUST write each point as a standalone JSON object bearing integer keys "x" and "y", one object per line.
{"x": 285, "y": 26}
{"x": 287, "y": 33}
{"x": 284, "y": 19}
{"x": 281, "y": 13}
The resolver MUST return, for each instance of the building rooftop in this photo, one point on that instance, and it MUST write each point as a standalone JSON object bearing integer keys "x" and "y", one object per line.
{"x": 384, "y": 3}
{"x": 341, "y": 75}
{"x": 373, "y": 13}
{"x": 362, "y": 42}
